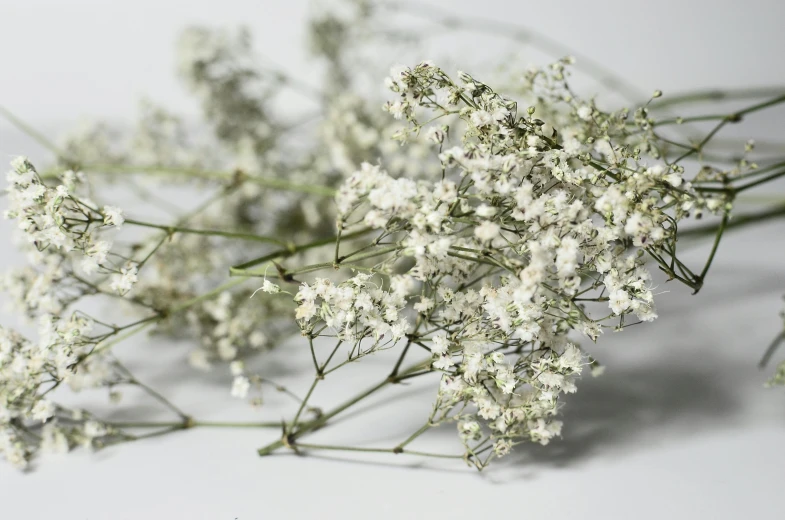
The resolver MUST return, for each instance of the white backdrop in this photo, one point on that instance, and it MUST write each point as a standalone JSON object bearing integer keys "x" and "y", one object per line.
{"x": 679, "y": 427}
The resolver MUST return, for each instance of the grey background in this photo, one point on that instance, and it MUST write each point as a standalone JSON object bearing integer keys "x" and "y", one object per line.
{"x": 679, "y": 427}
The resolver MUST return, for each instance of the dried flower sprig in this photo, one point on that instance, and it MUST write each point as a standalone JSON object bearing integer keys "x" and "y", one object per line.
{"x": 543, "y": 219}
{"x": 475, "y": 240}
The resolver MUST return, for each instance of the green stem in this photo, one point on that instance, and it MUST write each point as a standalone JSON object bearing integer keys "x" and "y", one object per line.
{"x": 144, "y": 323}
{"x": 321, "y": 420}
{"x": 305, "y": 401}
{"x": 758, "y": 182}
{"x": 170, "y": 429}
{"x": 395, "y": 450}
{"x": 185, "y": 218}
{"x": 206, "y": 296}
{"x": 444, "y": 17}
{"x": 329, "y": 358}
{"x": 706, "y": 139}
{"x": 193, "y": 424}
{"x": 220, "y": 424}
{"x": 394, "y": 372}
{"x": 208, "y": 232}
{"x": 714, "y": 95}
{"x": 158, "y": 397}
{"x": 32, "y": 132}
{"x": 338, "y": 245}
{"x": 423, "y": 429}
{"x": 288, "y": 273}
{"x": 144, "y": 424}
{"x": 702, "y": 276}
{"x": 737, "y": 222}
{"x": 313, "y": 356}
{"x": 770, "y": 351}
{"x": 753, "y": 173}
{"x": 731, "y": 118}
{"x": 293, "y": 249}
{"x": 268, "y": 182}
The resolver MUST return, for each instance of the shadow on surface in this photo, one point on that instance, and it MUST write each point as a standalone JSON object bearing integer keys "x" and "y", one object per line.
{"x": 634, "y": 408}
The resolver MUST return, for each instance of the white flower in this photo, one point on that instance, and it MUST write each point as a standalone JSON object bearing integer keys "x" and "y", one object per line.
{"x": 502, "y": 447}
{"x": 674, "y": 179}
{"x": 236, "y": 368}
{"x": 585, "y": 112}
{"x": 125, "y": 280}
{"x": 543, "y": 431}
{"x": 440, "y": 344}
{"x": 42, "y": 410}
{"x": 469, "y": 429}
{"x": 571, "y": 359}
{"x": 95, "y": 255}
{"x": 20, "y": 164}
{"x": 443, "y": 362}
{"x": 53, "y": 440}
{"x": 268, "y": 287}
{"x": 485, "y": 211}
{"x": 619, "y": 301}
{"x": 240, "y": 387}
{"x": 435, "y": 134}
{"x": 397, "y": 109}
{"x": 481, "y": 118}
{"x": 306, "y": 310}
{"x": 113, "y": 216}
{"x": 424, "y": 305}
{"x": 487, "y": 231}
{"x": 93, "y": 429}
{"x": 199, "y": 359}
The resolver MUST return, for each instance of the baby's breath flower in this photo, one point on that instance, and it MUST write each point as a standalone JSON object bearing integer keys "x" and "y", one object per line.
{"x": 124, "y": 281}
{"x": 487, "y": 231}
{"x": 240, "y": 387}
{"x": 479, "y": 236}
{"x": 113, "y": 216}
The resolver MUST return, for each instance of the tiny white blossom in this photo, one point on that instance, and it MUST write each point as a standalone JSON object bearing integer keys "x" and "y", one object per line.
{"x": 125, "y": 280}
{"x": 619, "y": 301}
{"x": 585, "y": 112}
{"x": 237, "y": 368}
{"x": 487, "y": 231}
{"x": 43, "y": 410}
{"x": 440, "y": 345}
{"x": 481, "y": 118}
{"x": 113, "y": 216}
{"x": 267, "y": 287}
{"x": 240, "y": 387}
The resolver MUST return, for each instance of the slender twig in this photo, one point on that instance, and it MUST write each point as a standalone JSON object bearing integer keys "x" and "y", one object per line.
{"x": 376, "y": 450}
{"x": 322, "y": 419}
{"x": 603, "y": 75}
{"x": 772, "y": 348}
{"x": 227, "y": 176}
{"x": 32, "y": 132}
{"x": 208, "y": 232}
{"x": 293, "y": 249}
{"x": 714, "y": 95}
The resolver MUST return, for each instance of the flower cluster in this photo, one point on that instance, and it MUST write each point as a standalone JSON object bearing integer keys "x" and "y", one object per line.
{"x": 475, "y": 241}
{"x": 29, "y": 371}
{"x": 60, "y": 229}
{"x": 547, "y": 220}
{"x": 354, "y": 309}
{"x": 230, "y": 327}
